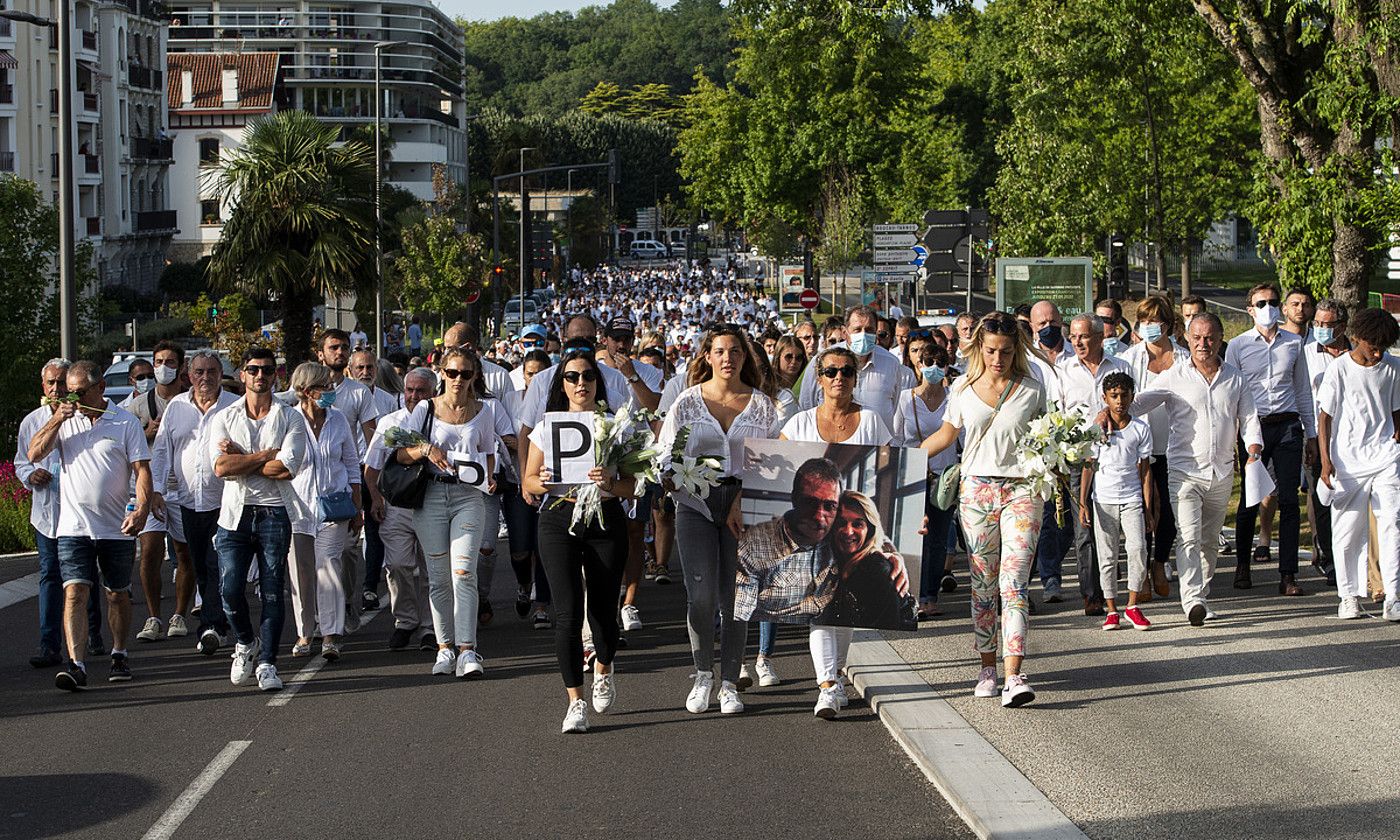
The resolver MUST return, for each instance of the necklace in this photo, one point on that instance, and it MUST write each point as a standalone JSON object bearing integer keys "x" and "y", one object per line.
{"x": 831, "y": 419}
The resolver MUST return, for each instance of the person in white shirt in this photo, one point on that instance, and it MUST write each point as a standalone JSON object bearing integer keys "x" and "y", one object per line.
{"x": 532, "y": 595}
{"x": 1329, "y": 328}
{"x": 1359, "y": 436}
{"x": 1209, "y": 406}
{"x": 1271, "y": 361}
{"x": 358, "y": 339}
{"x": 258, "y": 446}
{"x": 182, "y": 448}
{"x": 101, "y": 449}
{"x": 42, "y": 480}
{"x": 882, "y": 378}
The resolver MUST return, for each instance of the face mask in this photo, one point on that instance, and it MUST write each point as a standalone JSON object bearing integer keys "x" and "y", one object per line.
{"x": 144, "y": 385}
{"x": 932, "y": 375}
{"x": 554, "y": 358}
{"x": 1049, "y": 335}
{"x": 1267, "y": 316}
{"x": 861, "y": 343}
{"x": 165, "y": 375}
{"x": 1111, "y": 346}
{"x": 326, "y": 400}
{"x": 1324, "y": 335}
{"x": 1150, "y": 331}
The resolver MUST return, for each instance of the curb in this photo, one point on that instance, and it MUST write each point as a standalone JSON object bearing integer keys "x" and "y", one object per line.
{"x": 993, "y": 797}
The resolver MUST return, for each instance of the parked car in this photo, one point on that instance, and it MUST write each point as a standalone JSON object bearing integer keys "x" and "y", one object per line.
{"x": 647, "y": 249}
{"x": 515, "y": 318}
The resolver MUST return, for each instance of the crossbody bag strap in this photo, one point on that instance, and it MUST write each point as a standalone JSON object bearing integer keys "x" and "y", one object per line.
{"x": 918, "y": 427}
{"x": 995, "y": 411}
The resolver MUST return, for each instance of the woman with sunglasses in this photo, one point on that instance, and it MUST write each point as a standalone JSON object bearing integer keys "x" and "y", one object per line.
{"x": 333, "y": 465}
{"x": 592, "y": 556}
{"x": 460, "y": 427}
{"x": 919, "y": 413}
{"x": 723, "y": 404}
{"x": 838, "y": 418}
{"x": 993, "y": 406}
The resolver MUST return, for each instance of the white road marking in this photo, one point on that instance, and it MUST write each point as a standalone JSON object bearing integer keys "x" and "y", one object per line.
{"x": 300, "y": 678}
{"x": 198, "y": 789}
{"x": 19, "y": 589}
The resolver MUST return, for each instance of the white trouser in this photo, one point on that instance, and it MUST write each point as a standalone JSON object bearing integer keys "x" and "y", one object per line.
{"x": 1378, "y": 494}
{"x": 404, "y": 570}
{"x": 318, "y": 594}
{"x": 829, "y": 646}
{"x": 1110, "y": 520}
{"x": 1199, "y": 503}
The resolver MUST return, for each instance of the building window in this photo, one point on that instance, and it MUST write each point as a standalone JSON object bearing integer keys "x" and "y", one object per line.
{"x": 209, "y": 212}
{"x": 209, "y": 151}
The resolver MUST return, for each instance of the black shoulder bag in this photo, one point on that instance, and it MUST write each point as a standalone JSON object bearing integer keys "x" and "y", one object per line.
{"x": 403, "y": 485}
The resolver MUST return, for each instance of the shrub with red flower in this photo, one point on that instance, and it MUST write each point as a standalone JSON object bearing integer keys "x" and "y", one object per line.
{"x": 15, "y": 533}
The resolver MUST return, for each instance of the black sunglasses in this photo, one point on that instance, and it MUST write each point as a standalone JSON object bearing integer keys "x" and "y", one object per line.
{"x": 1260, "y": 304}
{"x": 141, "y": 377}
{"x": 573, "y": 376}
{"x": 845, "y": 370}
{"x": 453, "y": 373}
{"x": 265, "y": 370}
{"x": 1000, "y": 325}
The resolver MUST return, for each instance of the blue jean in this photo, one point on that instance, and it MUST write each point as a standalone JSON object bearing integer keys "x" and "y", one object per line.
{"x": 201, "y": 526}
{"x": 51, "y": 599}
{"x": 91, "y": 562}
{"x": 522, "y": 523}
{"x": 767, "y": 638}
{"x": 264, "y": 533}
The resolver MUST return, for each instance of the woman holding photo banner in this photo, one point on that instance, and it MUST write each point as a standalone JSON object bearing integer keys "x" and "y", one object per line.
{"x": 838, "y": 418}
{"x": 993, "y": 406}
{"x": 723, "y": 405}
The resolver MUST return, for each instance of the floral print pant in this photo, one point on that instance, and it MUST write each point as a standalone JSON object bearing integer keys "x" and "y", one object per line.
{"x": 1001, "y": 521}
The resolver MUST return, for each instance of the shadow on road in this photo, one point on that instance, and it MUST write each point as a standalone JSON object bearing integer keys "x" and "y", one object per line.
{"x": 54, "y": 805}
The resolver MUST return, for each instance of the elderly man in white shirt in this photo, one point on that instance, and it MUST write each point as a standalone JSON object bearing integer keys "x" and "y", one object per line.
{"x": 258, "y": 446}
{"x": 102, "y": 449}
{"x": 182, "y": 445}
{"x": 1209, "y": 405}
{"x": 42, "y": 479}
{"x": 1272, "y": 362}
{"x": 880, "y": 376}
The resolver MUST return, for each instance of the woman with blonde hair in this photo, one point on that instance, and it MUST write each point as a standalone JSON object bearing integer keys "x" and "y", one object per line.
{"x": 993, "y": 406}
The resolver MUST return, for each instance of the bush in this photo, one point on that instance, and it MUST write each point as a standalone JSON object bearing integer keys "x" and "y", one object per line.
{"x": 15, "y": 533}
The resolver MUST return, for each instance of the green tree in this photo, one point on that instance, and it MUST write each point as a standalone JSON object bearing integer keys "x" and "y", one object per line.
{"x": 440, "y": 264}
{"x": 303, "y": 227}
{"x": 844, "y": 231}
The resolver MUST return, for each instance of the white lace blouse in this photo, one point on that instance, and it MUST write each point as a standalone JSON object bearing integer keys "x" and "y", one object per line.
{"x": 758, "y": 419}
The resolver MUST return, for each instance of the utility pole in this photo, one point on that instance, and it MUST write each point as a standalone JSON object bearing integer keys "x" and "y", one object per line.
{"x": 378, "y": 213}
{"x": 524, "y": 234}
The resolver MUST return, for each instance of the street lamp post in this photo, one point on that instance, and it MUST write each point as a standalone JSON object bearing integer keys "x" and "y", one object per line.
{"x": 467, "y": 141}
{"x": 569, "y": 221}
{"x": 67, "y": 242}
{"x": 524, "y": 236}
{"x": 378, "y": 219}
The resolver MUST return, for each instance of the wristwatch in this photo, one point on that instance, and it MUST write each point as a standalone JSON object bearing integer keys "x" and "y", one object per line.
{"x": 634, "y": 379}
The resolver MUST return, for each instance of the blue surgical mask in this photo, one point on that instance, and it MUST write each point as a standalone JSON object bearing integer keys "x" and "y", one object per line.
{"x": 861, "y": 343}
{"x": 1150, "y": 330}
{"x": 1324, "y": 335}
{"x": 326, "y": 400}
{"x": 1050, "y": 336}
{"x": 932, "y": 374}
{"x": 554, "y": 358}
{"x": 1111, "y": 346}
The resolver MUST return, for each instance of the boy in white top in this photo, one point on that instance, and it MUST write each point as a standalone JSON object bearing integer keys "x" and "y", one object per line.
{"x": 1358, "y": 418}
{"x": 101, "y": 448}
{"x": 1123, "y": 500}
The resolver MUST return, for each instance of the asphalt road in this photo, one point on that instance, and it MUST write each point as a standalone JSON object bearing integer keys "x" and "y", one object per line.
{"x": 373, "y": 746}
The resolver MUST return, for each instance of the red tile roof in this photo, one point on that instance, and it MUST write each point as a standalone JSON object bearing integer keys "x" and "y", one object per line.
{"x": 257, "y": 77}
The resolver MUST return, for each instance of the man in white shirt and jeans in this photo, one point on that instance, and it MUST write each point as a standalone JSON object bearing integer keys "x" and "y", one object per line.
{"x": 1209, "y": 404}
{"x": 101, "y": 447}
{"x": 258, "y": 446}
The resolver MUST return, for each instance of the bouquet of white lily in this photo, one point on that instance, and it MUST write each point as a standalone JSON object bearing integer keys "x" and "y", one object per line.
{"x": 694, "y": 474}
{"x": 396, "y": 437}
{"x": 1057, "y": 442}
{"x": 624, "y": 442}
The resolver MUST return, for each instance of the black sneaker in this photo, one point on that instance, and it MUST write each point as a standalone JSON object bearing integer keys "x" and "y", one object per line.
{"x": 71, "y": 678}
{"x": 209, "y": 641}
{"x": 522, "y": 601}
{"x": 399, "y": 639}
{"x": 428, "y": 642}
{"x": 45, "y": 658}
{"x": 121, "y": 669}
{"x": 369, "y": 602}
{"x": 949, "y": 583}
{"x": 96, "y": 647}
{"x": 1197, "y": 615}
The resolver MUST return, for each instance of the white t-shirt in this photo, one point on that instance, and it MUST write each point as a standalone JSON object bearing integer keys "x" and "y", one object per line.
{"x": 1116, "y": 480}
{"x": 870, "y": 430}
{"x": 992, "y": 451}
{"x": 913, "y": 422}
{"x": 97, "y": 457}
{"x": 618, "y": 393}
{"x": 477, "y": 435}
{"x": 1360, "y": 400}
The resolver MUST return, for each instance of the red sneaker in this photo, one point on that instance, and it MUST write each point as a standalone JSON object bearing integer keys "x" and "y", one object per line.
{"x": 1111, "y": 622}
{"x": 1137, "y": 619}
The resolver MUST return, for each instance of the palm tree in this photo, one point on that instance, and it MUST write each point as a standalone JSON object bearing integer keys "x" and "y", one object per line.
{"x": 303, "y": 225}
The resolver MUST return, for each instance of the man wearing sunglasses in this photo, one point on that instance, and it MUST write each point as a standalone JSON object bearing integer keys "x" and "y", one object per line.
{"x": 533, "y": 337}
{"x": 881, "y": 377}
{"x": 1272, "y": 362}
{"x": 258, "y": 445}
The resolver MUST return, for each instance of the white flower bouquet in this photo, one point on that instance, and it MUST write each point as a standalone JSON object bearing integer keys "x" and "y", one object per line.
{"x": 693, "y": 474}
{"x": 624, "y": 442}
{"x": 1057, "y": 442}
{"x": 396, "y": 437}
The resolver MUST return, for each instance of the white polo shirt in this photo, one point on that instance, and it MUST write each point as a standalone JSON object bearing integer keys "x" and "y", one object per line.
{"x": 97, "y": 458}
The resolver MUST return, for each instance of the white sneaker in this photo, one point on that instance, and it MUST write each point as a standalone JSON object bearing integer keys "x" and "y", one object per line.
{"x": 828, "y": 705}
{"x": 1391, "y": 611}
{"x": 576, "y": 718}
{"x": 841, "y": 692}
{"x": 1016, "y": 692}
{"x": 986, "y": 683}
{"x": 469, "y": 665}
{"x": 177, "y": 627}
{"x": 267, "y": 677}
{"x": 1350, "y": 607}
{"x": 729, "y": 702}
{"x": 766, "y": 675}
{"x": 245, "y": 659}
{"x": 151, "y": 630}
{"x": 445, "y": 663}
{"x": 699, "y": 699}
{"x": 745, "y": 678}
{"x": 631, "y": 618}
{"x": 604, "y": 692}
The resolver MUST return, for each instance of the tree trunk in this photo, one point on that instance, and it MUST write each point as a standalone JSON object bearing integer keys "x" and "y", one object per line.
{"x": 1351, "y": 263}
{"x": 297, "y": 305}
{"x": 1185, "y": 268}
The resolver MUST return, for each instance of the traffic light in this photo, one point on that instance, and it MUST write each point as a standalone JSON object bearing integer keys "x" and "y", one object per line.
{"x": 214, "y": 312}
{"x": 1117, "y": 266}
{"x": 498, "y": 273}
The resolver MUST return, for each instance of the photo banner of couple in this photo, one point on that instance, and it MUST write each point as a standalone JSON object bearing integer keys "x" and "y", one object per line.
{"x": 831, "y": 534}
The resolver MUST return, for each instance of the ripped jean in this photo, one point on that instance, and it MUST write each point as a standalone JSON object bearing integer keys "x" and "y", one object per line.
{"x": 449, "y": 527}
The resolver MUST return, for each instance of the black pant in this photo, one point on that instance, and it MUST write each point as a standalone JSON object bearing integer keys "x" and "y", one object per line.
{"x": 595, "y": 558}
{"x": 1164, "y": 538}
{"x": 1283, "y": 455}
{"x": 374, "y": 557}
{"x": 200, "y": 528}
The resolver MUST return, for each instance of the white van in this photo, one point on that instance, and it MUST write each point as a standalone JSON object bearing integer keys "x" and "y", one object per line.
{"x": 647, "y": 249}
{"x": 516, "y": 320}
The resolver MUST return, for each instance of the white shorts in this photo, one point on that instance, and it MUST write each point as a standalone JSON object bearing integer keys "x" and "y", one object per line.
{"x": 173, "y": 524}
